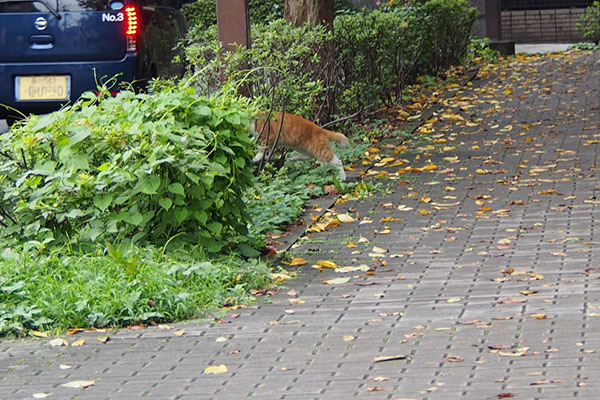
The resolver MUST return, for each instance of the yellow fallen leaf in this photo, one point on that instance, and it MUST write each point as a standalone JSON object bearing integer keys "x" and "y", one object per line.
{"x": 453, "y": 300}
{"x": 424, "y": 212}
{"x": 348, "y": 338}
{"x": 296, "y": 261}
{"x": 79, "y": 384}
{"x": 78, "y": 342}
{"x": 103, "y": 338}
{"x": 279, "y": 277}
{"x": 345, "y": 218}
{"x": 216, "y": 369}
{"x": 327, "y": 264}
{"x": 58, "y": 342}
{"x": 379, "y": 250}
{"x": 381, "y": 379}
{"x": 362, "y": 267}
{"x": 297, "y": 301}
{"x": 39, "y": 334}
{"x": 334, "y": 223}
{"x": 179, "y": 332}
{"x": 539, "y": 316}
{"x": 336, "y": 281}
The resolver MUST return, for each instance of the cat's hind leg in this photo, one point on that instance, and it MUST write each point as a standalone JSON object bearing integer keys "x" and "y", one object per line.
{"x": 335, "y": 161}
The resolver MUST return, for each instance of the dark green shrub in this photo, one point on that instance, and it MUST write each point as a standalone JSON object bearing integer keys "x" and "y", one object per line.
{"x": 449, "y": 32}
{"x": 377, "y": 53}
{"x": 281, "y": 66}
{"x": 133, "y": 166}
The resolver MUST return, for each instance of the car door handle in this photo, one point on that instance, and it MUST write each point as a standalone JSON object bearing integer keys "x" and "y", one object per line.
{"x": 41, "y": 42}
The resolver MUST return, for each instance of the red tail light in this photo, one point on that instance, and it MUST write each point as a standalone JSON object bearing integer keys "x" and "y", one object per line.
{"x": 132, "y": 28}
{"x": 132, "y": 21}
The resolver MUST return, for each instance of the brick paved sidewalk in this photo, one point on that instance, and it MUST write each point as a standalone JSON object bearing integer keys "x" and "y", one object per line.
{"x": 489, "y": 282}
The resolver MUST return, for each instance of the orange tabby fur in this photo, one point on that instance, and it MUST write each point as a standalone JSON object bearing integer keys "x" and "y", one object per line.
{"x": 301, "y": 135}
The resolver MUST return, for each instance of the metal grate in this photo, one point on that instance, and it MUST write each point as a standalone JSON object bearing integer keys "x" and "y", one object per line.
{"x": 517, "y": 5}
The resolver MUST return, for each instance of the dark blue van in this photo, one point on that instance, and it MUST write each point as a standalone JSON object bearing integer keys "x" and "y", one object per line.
{"x": 51, "y": 51}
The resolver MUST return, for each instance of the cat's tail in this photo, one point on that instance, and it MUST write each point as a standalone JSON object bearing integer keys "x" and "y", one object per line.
{"x": 340, "y": 138}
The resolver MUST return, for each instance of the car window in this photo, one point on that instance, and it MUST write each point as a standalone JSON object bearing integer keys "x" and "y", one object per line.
{"x": 21, "y": 6}
{"x": 82, "y": 5}
{"x": 12, "y": 6}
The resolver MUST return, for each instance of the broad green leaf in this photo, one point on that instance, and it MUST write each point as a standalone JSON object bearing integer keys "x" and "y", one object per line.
{"x": 150, "y": 184}
{"x": 180, "y": 214}
{"x": 215, "y": 227}
{"x": 103, "y": 201}
{"x": 176, "y": 188}
{"x": 204, "y": 110}
{"x": 201, "y": 216}
{"x": 165, "y": 203}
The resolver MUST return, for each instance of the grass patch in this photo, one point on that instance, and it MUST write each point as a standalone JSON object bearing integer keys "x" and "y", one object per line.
{"x": 65, "y": 289}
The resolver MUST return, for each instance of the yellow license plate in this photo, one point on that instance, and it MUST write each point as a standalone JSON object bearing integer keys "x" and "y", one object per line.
{"x": 43, "y": 87}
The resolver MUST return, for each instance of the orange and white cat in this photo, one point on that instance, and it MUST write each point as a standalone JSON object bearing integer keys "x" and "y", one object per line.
{"x": 302, "y": 135}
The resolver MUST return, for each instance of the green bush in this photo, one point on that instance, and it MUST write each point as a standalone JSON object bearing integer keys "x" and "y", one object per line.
{"x": 449, "y": 32}
{"x": 590, "y": 22}
{"x": 129, "y": 167}
{"x": 377, "y": 53}
{"x": 281, "y": 66}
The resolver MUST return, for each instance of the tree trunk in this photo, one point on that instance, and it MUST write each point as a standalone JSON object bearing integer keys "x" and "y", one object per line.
{"x": 316, "y": 12}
